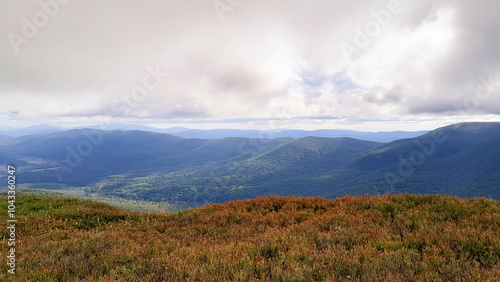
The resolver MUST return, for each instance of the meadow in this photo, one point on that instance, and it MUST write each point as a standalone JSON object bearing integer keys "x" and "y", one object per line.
{"x": 366, "y": 238}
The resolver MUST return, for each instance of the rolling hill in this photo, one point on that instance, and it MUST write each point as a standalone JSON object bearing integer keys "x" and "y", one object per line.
{"x": 4, "y": 137}
{"x": 220, "y": 133}
{"x": 31, "y": 130}
{"x": 327, "y": 133}
{"x": 460, "y": 159}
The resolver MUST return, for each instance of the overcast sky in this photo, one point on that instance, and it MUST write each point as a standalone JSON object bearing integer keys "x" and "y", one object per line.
{"x": 379, "y": 65}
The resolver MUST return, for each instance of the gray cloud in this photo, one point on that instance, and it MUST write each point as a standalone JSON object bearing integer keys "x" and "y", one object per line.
{"x": 266, "y": 59}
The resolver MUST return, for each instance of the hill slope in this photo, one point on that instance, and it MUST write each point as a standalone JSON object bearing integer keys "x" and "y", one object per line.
{"x": 327, "y": 133}
{"x": 460, "y": 159}
{"x": 77, "y": 159}
{"x": 404, "y": 237}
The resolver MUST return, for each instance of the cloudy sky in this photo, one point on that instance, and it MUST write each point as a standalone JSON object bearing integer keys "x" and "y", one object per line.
{"x": 368, "y": 65}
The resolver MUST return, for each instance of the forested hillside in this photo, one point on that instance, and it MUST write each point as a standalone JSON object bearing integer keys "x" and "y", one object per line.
{"x": 460, "y": 159}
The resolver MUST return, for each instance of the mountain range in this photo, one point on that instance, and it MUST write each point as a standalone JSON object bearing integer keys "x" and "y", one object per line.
{"x": 328, "y": 133}
{"x": 460, "y": 159}
{"x": 10, "y": 132}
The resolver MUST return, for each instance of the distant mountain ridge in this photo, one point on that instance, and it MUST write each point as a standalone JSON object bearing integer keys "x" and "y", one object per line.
{"x": 460, "y": 159}
{"x": 327, "y": 133}
{"x": 31, "y": 130}
{"x": 224, "y": 133}
{"x": 4, "y": 137}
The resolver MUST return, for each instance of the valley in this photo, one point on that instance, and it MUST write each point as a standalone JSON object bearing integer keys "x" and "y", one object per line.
{"x": 460, "y": 159}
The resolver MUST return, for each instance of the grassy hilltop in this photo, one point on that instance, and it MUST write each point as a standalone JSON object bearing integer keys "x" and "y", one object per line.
{"x": 395, "y": 237}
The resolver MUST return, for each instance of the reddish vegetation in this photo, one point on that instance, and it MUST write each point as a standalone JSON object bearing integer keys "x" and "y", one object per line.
{"x": 395, "y": 237}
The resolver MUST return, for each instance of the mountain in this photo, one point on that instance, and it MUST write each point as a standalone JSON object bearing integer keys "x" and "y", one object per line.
{"x": 4, "y": 137}
{"x": 455, "y": 160}
{"x": 366, "y": 238}
{"x": 328, "y": 133}
{"x": 32, "y": 130}
{"x": 369, "y": 136}
{"x": 221, "y": 133}
{"x": 460, "y": 159}
{"x": 122, "y": 127}
{"x": 83, "y": 156}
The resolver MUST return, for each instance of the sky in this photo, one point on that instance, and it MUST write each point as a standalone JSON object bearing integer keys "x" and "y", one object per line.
{"x": 316, "y": 64}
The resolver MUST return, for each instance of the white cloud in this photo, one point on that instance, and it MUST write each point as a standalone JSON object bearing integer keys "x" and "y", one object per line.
{"x": 265, "y": 60}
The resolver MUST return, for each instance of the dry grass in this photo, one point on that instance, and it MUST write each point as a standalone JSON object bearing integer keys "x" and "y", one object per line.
{"x": 370, "y": 238}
